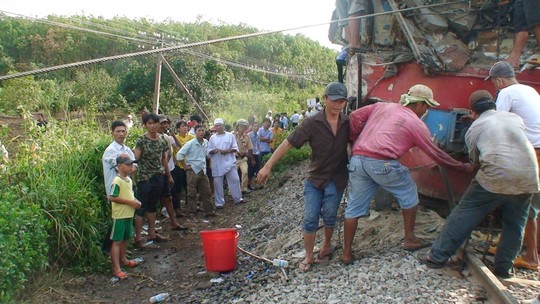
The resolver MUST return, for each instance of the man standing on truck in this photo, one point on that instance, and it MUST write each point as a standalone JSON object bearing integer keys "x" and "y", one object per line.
{"x": 523, "y": 101}
{"x": 381, "y": 133}
{"x": 507, "y": 177}
{"x": 526, "y": 17}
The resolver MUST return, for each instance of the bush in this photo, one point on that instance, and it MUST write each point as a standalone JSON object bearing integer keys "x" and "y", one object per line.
{"x": 292, "y": 157}
{"x": 23, "y": 242}
{"x": 54, "y": 189}
{"x": 60, "y": 168}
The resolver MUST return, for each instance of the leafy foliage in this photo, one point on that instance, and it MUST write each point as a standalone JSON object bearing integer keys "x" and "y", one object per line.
{"x": 23, "y": 244}
{"x": 208, "y": 71}
{"x": 53, "y": 209}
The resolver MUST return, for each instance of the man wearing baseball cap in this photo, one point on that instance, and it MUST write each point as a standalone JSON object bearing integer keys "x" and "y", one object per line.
{"x": 523, "y": 101}
{"x": 381, "y": 133}
{"x": 327, "y": 133}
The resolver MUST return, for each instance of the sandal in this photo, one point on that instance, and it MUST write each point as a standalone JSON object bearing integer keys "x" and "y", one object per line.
{"x": 519, "y": 262}
{"x": 423, "y": 258}
{"x": 211, "y": 214}
{"x": 140, "y": 244}
{"x": 159, "y": 239}
{"x": 134, "y": 263}
{"x": 179, "y": 228}
{"x": 305, "y": 267}
{"x": 121, "y": 275}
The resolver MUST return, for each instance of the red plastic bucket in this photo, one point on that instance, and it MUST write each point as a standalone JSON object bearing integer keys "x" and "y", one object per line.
{"x": 219, "y": 248}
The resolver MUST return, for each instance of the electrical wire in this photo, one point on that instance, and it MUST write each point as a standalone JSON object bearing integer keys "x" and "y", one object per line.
{"x": 195, "y": 44}
{"x": 154, "y": 42}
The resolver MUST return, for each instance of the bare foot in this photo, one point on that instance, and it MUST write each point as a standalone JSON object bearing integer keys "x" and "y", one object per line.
{"x": 415, "y": 244}
{"x": 325, "y": 254}
{"x": 514, "y": 61}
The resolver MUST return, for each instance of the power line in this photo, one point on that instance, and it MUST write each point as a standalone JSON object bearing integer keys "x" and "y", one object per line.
{"x": 189, "y": 45}
{"x": 154, "y": 42}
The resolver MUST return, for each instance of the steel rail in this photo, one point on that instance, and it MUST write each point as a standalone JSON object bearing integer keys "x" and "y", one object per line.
{"x": 496, "y": 292}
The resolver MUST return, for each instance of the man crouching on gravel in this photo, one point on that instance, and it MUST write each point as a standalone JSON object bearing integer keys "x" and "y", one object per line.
{"x": 327, "y": 133}
{"x": 508, "y": 176}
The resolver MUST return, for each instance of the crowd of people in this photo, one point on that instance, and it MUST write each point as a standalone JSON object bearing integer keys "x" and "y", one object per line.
{"x": 182, "y": 168}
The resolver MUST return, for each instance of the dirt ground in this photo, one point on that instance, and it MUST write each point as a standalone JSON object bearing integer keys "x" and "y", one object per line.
{"x": 170, "y": 268}
{"x": 175, "y": 266}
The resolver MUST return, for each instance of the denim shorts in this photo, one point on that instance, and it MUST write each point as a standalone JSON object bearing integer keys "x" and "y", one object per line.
{"x": 320, "y": 202}
{"x": 367, "y": 174}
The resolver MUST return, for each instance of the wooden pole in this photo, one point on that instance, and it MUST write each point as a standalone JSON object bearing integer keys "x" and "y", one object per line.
{"x": 181, "y": 85}
{"x": 157, "y": 83}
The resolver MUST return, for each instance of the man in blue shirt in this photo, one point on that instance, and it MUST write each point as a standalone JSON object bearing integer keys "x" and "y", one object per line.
{"x": 265, "y": 137}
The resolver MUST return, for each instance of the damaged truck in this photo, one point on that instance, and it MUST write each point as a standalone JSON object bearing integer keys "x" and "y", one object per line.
{"x": 446, "y": 45}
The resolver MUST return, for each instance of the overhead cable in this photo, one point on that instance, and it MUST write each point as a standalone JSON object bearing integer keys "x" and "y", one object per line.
{"x": 189, "y": 45}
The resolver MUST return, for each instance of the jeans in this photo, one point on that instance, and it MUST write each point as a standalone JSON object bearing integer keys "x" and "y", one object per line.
{"x": 367, "y": 174}
{"x": 475, "y": 204}
{"x": 323, "y": 202}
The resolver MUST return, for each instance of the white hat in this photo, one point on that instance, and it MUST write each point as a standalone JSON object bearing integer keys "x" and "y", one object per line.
{"x": 218, "y": 121}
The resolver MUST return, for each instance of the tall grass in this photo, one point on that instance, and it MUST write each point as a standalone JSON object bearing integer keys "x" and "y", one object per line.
{"x": 53, "y": 195}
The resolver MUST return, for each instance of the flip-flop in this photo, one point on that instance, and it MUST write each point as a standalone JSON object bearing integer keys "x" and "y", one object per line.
{"x": 423, "y": 244}
{"x": 305, "y": 267}
{"x": 519, "y": 262}
{"x": 134, "y": 263}
{"x": 179, "y": 228}
{"x": 424, "y": 259}
{"x": 121, "y": 275}
{"x": 159, "y": 239}
{"x": 140, "y": 244}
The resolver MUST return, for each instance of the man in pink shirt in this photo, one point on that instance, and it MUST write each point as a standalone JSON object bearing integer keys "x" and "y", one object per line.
{"x": 381, "y": 133}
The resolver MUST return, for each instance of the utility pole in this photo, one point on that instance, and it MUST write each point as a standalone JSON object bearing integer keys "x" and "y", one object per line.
{"x": 183, "y": 87}
{"x": 157, "y": 83}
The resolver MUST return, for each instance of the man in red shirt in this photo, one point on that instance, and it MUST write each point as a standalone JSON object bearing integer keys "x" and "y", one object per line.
{"x": 381, "y": 133}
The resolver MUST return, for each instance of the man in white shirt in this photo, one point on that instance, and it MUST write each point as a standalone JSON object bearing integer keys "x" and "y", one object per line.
{"x": 108, "y": 160}
{"x": 117, "y": 147}
{"x": 129, "y": 122}
{"x": 222, "y": 148}
{"x": 507, "y": 178}
{"x": 523, "y": 101}
{"x": 295, "y": 118}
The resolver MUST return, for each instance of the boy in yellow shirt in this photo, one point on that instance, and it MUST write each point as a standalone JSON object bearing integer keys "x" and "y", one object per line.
{"x": 123, "y": 203}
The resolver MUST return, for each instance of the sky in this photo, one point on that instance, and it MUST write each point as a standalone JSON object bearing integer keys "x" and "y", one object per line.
{"x": 264, "y": 15}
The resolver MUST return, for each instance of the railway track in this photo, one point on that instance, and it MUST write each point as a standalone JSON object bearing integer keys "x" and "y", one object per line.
{"x": 501, "y": 291}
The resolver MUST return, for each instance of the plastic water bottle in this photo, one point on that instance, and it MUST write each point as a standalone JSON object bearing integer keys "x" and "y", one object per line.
{"x": 160, "y": 297}
{"x": 280, "y": 263}
{"x": 138, "y": 260}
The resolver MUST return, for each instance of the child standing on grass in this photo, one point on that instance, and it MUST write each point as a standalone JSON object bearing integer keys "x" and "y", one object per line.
{"x": 124, "y": 204}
